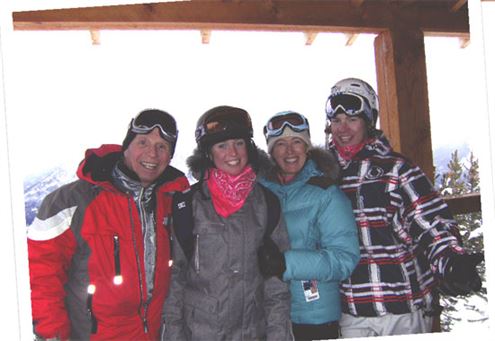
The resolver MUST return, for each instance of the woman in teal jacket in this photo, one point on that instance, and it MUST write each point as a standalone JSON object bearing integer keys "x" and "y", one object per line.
{"x": 321, "y": 225}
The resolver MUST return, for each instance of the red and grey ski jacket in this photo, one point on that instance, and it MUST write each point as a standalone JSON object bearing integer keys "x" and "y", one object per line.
{"x": 86, "y": 262}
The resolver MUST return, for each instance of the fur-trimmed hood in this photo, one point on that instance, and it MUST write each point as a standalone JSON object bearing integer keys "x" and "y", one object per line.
{"x": 325, "y": 161}
{"x": 197, "y": 162}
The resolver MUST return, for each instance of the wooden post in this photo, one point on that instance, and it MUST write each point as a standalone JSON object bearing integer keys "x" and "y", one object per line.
{"x": 403, "y": 95}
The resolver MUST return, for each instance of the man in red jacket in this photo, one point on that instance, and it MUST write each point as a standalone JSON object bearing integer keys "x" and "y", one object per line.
{"x": 99, "y": 247}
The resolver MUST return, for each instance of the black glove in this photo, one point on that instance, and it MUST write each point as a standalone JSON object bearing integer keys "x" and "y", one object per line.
{"x": 461, "y": 276}
{"x": 270, "y": 260}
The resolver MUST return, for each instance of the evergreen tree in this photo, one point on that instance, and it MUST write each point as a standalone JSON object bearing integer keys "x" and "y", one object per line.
{"x": 457, "y": 180}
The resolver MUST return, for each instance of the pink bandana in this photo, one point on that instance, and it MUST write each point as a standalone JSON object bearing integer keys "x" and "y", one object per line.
{"x": 229, "y": 192}
{"x": 348, "y": 152}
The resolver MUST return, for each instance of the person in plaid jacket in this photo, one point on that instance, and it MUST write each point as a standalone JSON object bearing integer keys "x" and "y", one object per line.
{"x": 410, "y": 244}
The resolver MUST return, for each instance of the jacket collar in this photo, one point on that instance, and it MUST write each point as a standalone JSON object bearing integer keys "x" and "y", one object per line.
{"x": 324, "y": 162}
{"x": 99, "y": 163}
{"x": 377, "y": 146}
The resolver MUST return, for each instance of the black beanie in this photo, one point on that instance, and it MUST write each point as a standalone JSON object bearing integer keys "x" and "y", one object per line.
{"x": 150, "y": 118}
{"x": 128, "y": 139}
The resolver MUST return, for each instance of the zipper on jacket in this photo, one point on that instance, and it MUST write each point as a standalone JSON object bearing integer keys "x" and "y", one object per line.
{"x": 89, "y": 308}
{"x": 171, "y": 250}
{"x": 145, "y": 231}
{"x": 130, "y": 200}
{"x": 145, "y": 324}
{"x": 117, "y": 278}
{"x": 196, "y": 254}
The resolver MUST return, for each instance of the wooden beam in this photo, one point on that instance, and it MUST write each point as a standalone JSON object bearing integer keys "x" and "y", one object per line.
{"x": 403, "y": 94}
{"x": 431, "y": 16}
{"x": 357, "y": 3}
{"x": 467, "y": 203}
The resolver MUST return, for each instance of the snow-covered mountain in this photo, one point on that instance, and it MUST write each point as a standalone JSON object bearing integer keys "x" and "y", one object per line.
{"x": 37, "y": 186}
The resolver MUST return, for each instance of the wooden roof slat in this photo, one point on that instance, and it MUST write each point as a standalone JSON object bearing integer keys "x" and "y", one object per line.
{"x": 464, "y": 42}
{"x": 95, "y": 37}
{"x": 350, "y": 38}
{"x": 310, "y": 37}
{"x": 458, "y": 5}
{"x": 205, "y": 36}
{"x": 374, "y": 16}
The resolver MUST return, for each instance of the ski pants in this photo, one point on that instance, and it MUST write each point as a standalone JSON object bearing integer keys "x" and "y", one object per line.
{"x": 412, "y": 323}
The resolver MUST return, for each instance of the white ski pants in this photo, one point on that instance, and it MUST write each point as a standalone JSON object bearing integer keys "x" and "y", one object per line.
{"x": 413, "y": 323}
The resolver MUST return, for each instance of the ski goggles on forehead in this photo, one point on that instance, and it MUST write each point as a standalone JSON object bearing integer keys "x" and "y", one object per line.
{"x": 277, "y": 124}
{"x": 145, "y": 122}
{"x": 223, "y": 121}
{"x": 349, "y": 104}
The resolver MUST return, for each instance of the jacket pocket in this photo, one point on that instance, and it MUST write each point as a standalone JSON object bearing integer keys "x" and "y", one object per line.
{"x": 201, "y": 315}
{"x": 113, "y": 272}
{"x": 210, "y": 248}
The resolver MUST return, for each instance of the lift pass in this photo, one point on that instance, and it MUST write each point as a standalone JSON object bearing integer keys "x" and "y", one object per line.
{"x": 310, "y": 290}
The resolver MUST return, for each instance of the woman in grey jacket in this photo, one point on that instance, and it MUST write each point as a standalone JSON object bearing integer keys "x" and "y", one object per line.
{"x": 322, "y": 230}
{"x": 218, "y": 292}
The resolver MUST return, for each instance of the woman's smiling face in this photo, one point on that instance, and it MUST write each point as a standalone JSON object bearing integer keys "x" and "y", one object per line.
{"x": 289, "y": 153}
{"x": 230, "y": 156}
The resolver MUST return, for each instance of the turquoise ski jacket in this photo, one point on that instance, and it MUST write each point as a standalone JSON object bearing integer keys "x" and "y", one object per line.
{"x": 323, "y": 236}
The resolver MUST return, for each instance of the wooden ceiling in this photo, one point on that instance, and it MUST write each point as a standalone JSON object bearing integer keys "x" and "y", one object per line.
{"x": 433, "y": 17}
{"x": 400, "y": 26}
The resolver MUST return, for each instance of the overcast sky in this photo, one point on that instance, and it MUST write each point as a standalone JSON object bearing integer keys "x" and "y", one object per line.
{"x": 67, "y": 94}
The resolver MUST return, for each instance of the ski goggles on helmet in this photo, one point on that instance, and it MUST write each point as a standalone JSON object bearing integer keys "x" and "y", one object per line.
{"x": 276, "y": 125}
{"x": 348, "y": 104}
{"x": 225, "y": 120}
{"x": 148, "y": 120}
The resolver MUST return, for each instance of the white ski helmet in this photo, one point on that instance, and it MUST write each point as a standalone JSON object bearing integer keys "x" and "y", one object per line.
{"x": 362, "y": 100}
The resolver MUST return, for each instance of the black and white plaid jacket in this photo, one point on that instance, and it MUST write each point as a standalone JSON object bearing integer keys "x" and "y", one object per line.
{"x": 406, "y": 233}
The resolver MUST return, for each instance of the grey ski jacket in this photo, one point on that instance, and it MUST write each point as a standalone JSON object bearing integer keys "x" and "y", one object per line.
{"x": 220, "y": 294}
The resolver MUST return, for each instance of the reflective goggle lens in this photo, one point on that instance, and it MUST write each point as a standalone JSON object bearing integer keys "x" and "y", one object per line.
{"x": 146, "y": 121}
{"x": 225, "y": 120}
{"x": 347, "y": 103}
{"x": 276, "y": 124}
